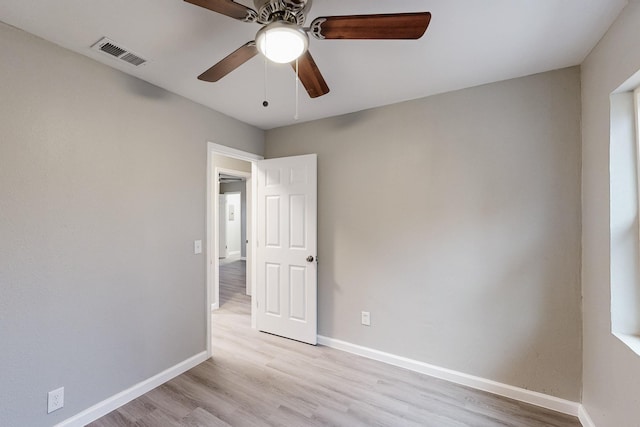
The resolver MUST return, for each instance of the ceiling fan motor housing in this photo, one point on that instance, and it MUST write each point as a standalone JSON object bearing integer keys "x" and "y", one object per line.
{"x": 293, "y": 11}
{"x": 284, "y": 39}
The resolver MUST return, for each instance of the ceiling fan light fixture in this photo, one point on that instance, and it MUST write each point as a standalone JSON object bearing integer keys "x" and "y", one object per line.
{"x": 282, "y": 42}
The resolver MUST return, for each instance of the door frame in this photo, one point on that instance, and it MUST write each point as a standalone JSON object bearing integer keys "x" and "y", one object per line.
{"x": 213, "y": 190}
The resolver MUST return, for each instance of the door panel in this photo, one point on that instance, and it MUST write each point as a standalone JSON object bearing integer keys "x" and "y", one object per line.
{"x": 297, "y": 206}
{"x": 272, "y": 284}
{"x": 287, "y": 281}
{"x": 297, "y": 293}
{"x": 272, "y": 221}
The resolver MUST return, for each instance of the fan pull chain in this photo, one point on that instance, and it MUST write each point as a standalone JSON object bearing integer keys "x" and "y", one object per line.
{"x": 265, "y": 103}
{"x": 295, "y": 117}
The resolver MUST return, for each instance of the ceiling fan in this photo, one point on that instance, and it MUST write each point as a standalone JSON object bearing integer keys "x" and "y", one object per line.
{"x": 283, "y": 38}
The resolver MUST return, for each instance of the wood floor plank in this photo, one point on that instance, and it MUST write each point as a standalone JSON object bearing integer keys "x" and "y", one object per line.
{"x": 202, "y": 418}
{"x": 256, "y": 379}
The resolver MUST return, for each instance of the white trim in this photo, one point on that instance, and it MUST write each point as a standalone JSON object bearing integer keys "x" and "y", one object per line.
{"x": 636, "y": 122}
{"x": 114, "y": 402}
{"x": 584, "y": 417}
{"x": 254, "y": 243}
{"x": 232, "y": 152}
{"x": 215, "y": 306}
{"x": 208, "y": 273}
{"x": 631, "y": 341}
{"x": 517, "y": 393}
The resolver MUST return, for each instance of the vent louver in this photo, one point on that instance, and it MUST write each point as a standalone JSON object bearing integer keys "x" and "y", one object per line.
{"x": 133, "y": 59}
{"x": 112, "y": 48}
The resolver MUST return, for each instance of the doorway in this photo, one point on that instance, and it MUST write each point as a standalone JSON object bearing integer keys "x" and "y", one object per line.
{"x": 285, "y": 222}
{"x": 236, "y": 164}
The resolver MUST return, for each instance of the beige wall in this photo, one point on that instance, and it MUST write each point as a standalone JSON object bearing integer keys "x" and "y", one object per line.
{"x": 225, "y": 162}
{"x": 455, "y": 220}
{"x": 611, "y": 381}
{"x": 102, "y": 193}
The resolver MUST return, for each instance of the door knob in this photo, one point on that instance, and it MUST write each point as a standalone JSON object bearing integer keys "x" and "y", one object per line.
{"x": 310, "y": 258}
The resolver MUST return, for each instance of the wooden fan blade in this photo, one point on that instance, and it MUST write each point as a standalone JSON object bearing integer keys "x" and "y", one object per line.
{"x": 226, "y": 7}
{"x": 230, "y": 63}
{"x": 399, "y": 26}
{"x": 310, "y": 76}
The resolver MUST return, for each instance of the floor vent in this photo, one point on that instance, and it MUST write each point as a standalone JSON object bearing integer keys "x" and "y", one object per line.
{"x": 112, "y": 48}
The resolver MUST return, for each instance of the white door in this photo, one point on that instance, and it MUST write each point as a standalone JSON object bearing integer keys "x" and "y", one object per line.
{"x": 286, "y": 244}
{"x": 222, "y": 226}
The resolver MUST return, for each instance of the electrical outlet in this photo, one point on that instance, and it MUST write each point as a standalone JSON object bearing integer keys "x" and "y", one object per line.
{"x": 197, "y": 247}
{"x": 366, "y": 318}
{"x": 55, "y": 400}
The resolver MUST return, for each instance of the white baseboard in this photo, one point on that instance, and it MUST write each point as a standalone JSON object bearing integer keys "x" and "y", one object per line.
{"x": 215, "y": 306}
{"x": 535, "y": 398}
{"x": 517, "y": 393}
{"x": 584, "y": 418}
{"x": 114, "y": 402}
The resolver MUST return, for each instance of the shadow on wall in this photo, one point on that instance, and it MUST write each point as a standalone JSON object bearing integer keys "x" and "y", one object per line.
{"x": 144, "y": 89}
{"x": 353, "y": 119}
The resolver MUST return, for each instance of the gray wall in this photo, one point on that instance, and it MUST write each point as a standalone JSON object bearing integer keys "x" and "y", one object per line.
{"x": 611, "y": 381}
{"x": 455, "y": 220}
{"x": 239, "y": 187}
{"x": 102, "y": 193}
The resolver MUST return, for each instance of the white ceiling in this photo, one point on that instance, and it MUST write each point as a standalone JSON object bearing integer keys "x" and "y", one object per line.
{"x": 469, "y": 42}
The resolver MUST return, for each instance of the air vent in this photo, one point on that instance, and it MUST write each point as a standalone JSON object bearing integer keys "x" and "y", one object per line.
{"x": 113, "y": 49}
{"x": 132, "y": 59}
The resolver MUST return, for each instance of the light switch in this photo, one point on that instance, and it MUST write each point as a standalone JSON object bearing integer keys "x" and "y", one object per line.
{"x": 366, "y": 318}
{"x": 197, "y": 247}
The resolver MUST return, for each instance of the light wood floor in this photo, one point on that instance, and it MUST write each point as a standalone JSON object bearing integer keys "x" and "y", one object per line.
{"x": 257, "y": 379}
